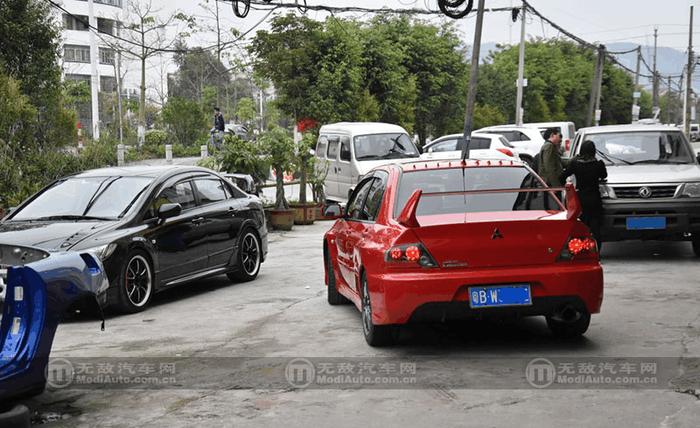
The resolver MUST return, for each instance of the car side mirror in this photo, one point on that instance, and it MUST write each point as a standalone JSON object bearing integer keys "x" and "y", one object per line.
{"x": 167, "y": 211}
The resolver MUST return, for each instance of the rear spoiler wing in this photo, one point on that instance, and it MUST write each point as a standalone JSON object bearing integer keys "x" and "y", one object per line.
{"x": 408, "y": 218}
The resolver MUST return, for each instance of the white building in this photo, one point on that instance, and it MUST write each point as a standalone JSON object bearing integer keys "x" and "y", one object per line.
{"x": 86, "y": 56}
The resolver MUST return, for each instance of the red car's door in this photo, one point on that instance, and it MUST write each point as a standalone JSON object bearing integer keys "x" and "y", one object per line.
{"x": 359, "y": 227}
{"x": 351, "y": 230}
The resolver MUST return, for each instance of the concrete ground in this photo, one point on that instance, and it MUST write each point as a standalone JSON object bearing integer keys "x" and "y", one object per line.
{"x": 651, "y": 310}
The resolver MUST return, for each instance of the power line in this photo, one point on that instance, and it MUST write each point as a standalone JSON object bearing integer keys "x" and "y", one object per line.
{"x": 267, "y": 5}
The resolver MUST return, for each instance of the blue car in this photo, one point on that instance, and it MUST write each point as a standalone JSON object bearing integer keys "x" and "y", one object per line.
{"x": 39, "y": 287}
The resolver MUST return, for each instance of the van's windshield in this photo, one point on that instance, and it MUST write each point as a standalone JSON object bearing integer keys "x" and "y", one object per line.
{"x": 384, "y": 146}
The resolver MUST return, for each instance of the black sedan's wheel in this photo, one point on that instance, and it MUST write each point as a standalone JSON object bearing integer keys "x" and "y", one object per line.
{"x": 334, "y": 297}
{"x": 696, "y": 247}
{"x": 249, "y": 258}
{"x": 136, "y": 283}
{"x": 375, "y": 335}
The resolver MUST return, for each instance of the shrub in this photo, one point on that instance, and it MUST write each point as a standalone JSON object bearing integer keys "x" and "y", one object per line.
{"x": 155, "y": 137}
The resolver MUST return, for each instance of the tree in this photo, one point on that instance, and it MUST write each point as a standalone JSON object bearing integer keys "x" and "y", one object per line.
{"x": 145, "y": 37}
{"x": 278, "y": 146}
{"x": 559, "y": 77}
{"x": 29, "y": 54}
{"x": 245, "y": 110}
{"x": 185, "y": 119}
{"x": 198, "y": 70}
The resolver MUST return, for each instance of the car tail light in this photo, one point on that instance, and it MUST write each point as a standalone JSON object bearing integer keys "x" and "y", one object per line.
{"x": 578, "y": 248}
{"x": 506, "y": 152}
{"x": 410, "y": 254}
{"x": 567, "y": 144}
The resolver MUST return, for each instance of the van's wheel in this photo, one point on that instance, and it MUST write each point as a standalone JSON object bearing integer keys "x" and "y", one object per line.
{"x": 375, "y": 335}
{"x": 569, "y": 329}
{"x": 334, "y": 297}
{"x": 249, "y": 258}
{"x": 696, "y": 246}
{"x": 135, "y": 285}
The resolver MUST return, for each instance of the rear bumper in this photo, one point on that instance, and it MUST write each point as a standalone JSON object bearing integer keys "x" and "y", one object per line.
{"x": 432, "y": 295}
{"x": 682, "y": 218}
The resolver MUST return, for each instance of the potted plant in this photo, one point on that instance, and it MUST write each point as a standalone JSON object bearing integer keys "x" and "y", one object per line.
{"x": 305, "y": 212}
{"x": 278, "y": 148}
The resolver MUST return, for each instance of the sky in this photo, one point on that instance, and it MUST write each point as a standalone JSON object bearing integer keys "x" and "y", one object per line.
{"x": 597, "y": 21}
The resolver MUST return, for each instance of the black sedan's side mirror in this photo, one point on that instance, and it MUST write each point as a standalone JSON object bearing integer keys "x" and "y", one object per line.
{"x": 169, "y": 210}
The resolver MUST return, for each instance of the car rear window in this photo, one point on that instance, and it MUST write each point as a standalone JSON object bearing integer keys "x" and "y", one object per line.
{"x": 440, "y": 182}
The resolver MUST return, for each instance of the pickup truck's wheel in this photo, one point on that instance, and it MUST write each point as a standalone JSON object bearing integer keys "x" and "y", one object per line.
{"x": 696, "y": 246}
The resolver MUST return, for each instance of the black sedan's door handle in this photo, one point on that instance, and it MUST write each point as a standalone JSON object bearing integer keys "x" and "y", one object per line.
{"x": 198, "y": 220}
{"x": 232, "y": 211}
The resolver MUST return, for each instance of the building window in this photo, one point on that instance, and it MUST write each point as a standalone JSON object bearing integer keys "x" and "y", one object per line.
{"x": 79, "y": 77}
{"x": 75, "y": 22}
{"x": 108, "y": 84}
{"x": 117, "y": 3}
{"x": 106, "y": 56}
{"x": 105, "y": 26}
{"x": 76, "y": 53}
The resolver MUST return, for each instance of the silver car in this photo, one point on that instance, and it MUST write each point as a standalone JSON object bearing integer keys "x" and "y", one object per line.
{"x": 653, "y": 186}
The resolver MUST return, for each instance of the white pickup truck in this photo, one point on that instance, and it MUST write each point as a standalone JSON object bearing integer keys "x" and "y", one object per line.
{"x": 653, "y": 186}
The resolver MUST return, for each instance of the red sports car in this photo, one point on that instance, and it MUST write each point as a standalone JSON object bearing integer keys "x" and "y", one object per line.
{"x": 437, "y": 240}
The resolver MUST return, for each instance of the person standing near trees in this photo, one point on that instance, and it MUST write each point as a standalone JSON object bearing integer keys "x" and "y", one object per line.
{"x": 589, "y": 173}
{"x": 219, "y": 128}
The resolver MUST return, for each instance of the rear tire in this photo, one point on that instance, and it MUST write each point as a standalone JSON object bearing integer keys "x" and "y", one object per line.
{"x": 696, "y": 247}
{"x": 375, "y": 335}
{"x": 334, "y": 297}
{"x": 249, "y": 258}
{"x": 569, "y": 330}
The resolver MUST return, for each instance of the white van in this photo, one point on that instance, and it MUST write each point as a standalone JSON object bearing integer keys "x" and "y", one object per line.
{"x": 351, "y": 149}
{"x": 568, "y": 131}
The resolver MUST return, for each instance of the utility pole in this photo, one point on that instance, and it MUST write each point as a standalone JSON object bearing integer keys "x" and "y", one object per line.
{"x": 521, "y": 71}
{"x": 473, "y": 77}
{"x": 689, "y": 78}
{"x": 636, "y": 94}
{"x": 594, "y": 101}
{"x": 668, "y": 101}
{"x": 599, "y": 89}
{"x": 655, "y": 77}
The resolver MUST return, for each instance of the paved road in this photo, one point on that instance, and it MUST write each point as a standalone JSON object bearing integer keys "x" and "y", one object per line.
{"x": 651, "y": 310}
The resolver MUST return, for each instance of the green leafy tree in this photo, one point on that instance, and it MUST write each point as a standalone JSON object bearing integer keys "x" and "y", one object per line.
{"x": 243, "y": 157}
{"x": 185, "y": 119}
{"x": 245, "y": 110}
{"x": 278, "y": 147}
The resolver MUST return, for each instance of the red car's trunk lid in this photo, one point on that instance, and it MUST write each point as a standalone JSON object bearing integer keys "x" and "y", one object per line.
{"x": 493, "y": 239}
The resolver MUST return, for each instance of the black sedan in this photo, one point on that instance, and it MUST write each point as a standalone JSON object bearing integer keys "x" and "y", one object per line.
{"x": 153, "y": 227}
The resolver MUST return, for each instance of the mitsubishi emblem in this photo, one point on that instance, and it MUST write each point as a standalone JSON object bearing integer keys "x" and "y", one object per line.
{"x": 496, "y": 234}
{"x": 645, "y": 192}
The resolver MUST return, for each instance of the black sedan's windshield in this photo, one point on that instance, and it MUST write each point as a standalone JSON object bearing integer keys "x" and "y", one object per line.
{"x": 85, "y": 198}
{"x": 384, "y": 146}
{"x": 643, "y": 147}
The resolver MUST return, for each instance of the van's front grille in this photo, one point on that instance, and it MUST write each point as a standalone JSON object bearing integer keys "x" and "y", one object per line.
{"x": 651, "y": 192}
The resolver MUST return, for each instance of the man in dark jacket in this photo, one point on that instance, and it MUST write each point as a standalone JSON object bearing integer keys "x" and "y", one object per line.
{"x": 219, "y": 128}
{"x": 589, "y": 173}
{"x": 550, "y": 165}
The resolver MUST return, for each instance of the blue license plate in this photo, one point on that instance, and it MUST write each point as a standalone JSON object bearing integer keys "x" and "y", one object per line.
{"x": 501, "y": 295}
{"x": 646, "y": 223}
